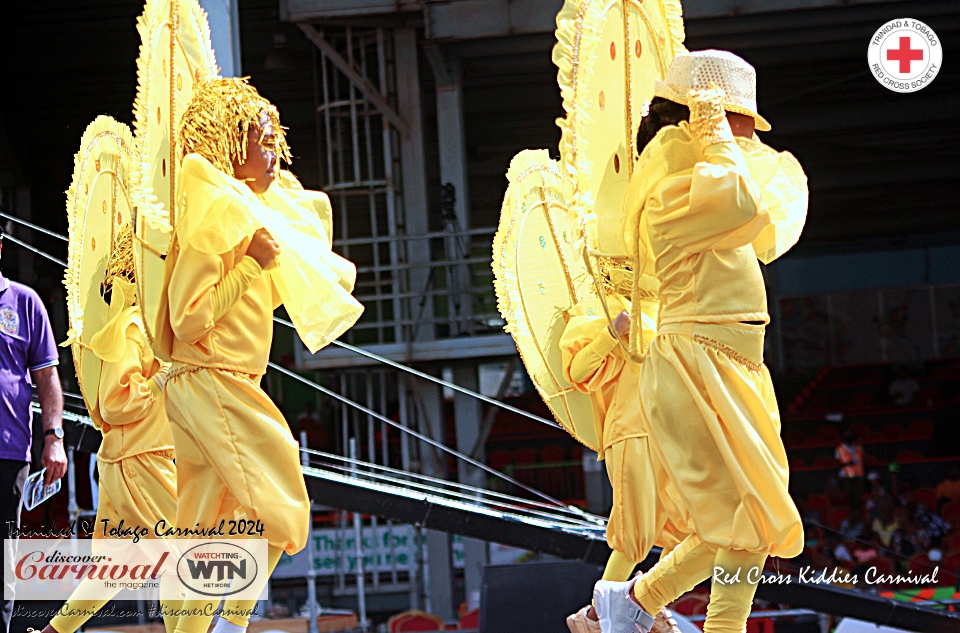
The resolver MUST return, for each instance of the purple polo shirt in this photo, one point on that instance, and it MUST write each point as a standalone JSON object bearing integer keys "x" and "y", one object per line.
{"x": 26, "y": 343}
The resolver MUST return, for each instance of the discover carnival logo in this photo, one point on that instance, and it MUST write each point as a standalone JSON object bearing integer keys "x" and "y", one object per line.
{"x": 107, "y": 569}
{"x": 905, "y": 55}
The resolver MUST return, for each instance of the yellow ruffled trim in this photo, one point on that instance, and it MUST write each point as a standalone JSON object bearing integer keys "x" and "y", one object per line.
{"x": 578, "y": 34}
{"x": 158, "y": 15}
{"x": 110, "y": 342}
{"x": 783, "y": 189}
{"x": 77, "y": 202}
{"x": 314, "y": 283}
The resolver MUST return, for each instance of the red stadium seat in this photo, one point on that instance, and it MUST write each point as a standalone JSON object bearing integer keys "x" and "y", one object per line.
{"x": 925, "y": 496}
{"x": 950, "y": 513}
{"x": 920, "y": 429}
{"x": 817, "y": 503}
{"x": 410, "y": 621}
{"x": 835, "y": 516}
{"x": 892, "y": 431}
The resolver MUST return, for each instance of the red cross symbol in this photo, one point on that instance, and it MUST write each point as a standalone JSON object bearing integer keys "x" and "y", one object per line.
{"x": 905, "y": 54}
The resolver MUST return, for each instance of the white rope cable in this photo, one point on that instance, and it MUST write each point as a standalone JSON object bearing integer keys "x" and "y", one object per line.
{"x": 422, "y": 438}
{"x": 486, "y": 495}
{"x": 434, "y": 379}
{"x": 386, "y": 420}
{"x": 34, "y": 227}
{"x": 347, "y": 346}
{"x": 9, "y": 238}
{"x": 516, "y": 508}
{"x": 480, "y": 491}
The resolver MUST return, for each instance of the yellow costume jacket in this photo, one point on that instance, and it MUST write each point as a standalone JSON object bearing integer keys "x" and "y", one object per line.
{"x": 704, "y": 391}
{"x": 130, "y": 403}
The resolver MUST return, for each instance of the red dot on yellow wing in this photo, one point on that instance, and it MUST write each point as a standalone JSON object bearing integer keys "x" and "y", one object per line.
{"x": 616, "y": 163}
{"x": 164, "y": 68}
{"x": 103, "y": 207}
{"x": 93, "y": 243}
{"x": 119, "y": 219}
{"x": 158, "y": 115}
{"x": 603, "y": 100}
{"x": 663, "y": 40}
{"x": 163, "y": 167}
{"x": 196, "y": 75}
{"x": 638, "y": 48}
{"x": 613, "y": 50}
{"x": 96, "y": 164}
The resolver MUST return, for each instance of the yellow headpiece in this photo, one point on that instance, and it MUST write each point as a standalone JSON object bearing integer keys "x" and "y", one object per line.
{"x": 216, "y": 123}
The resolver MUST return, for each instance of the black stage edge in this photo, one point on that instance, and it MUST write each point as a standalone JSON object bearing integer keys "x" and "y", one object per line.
{"x": 334, "y": 490}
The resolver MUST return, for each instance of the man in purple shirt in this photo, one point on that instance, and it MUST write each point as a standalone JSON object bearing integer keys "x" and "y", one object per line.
{"x": 26, "y": 346}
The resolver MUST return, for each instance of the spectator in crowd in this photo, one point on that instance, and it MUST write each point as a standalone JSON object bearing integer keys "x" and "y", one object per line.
{"x": 27, "y": 349}
{"x": 949, "y": 488}
{"x": 854, "y": 526}
{"x": 850, "y": 455}
{"x": 903, "y": 389}
{"x": 933, "y": 526}
{"x": 885, "y": 525}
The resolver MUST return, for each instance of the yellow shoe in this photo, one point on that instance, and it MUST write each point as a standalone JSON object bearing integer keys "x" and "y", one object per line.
{"x": 580, "y": 623}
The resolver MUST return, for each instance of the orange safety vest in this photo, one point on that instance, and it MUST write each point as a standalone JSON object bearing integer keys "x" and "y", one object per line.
{"x": 852, "y": 460}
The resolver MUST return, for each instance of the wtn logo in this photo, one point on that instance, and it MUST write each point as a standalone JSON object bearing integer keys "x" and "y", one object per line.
{"x": 225, "y": 569}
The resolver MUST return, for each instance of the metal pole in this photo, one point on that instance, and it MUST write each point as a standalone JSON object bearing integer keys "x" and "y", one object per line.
{"x": 311, "y": 570}
{"x": 358, "y": 537}
{"x": 372, "y": 458}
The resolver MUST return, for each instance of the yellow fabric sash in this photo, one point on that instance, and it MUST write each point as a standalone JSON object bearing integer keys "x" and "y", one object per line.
{"x": 313, "y": 282}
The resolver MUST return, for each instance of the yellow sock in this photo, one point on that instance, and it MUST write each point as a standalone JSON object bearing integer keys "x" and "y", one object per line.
{"x": 730, "y": 601}
{"x": 619, "y": 567}
{"x": 689, "y": 564}
{"x": 238, "y": 611}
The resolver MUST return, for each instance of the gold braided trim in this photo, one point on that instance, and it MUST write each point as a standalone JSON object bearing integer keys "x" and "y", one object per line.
{"x": 728, "y": 352}
{"x": 180, "y": 369}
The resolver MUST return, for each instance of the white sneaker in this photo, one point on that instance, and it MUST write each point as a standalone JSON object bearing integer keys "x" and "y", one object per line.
{"x": 617, "y": 610}
{"x": 580, "y": 623}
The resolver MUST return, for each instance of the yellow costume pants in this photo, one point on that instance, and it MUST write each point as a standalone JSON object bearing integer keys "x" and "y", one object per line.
{"x": 645, "y": 511}
{"x": 141, "y": 490}
{"x": 734, "y": 574}
{"x": 236, "y": 458}
{"x": 715, "y": 426}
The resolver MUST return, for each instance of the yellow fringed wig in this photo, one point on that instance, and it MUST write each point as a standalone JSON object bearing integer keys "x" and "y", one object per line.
{"x": 218, "y": 120}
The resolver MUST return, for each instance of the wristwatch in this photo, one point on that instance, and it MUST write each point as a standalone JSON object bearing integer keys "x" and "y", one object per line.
{"x": 56, "y": 432}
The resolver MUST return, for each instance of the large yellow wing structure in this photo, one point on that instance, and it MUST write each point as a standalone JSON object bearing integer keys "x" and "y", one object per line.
{"x": 175, "y": 53}
{"x": 608, "y": 55}
{"x": 98, "y": 204}
{"x": 539, "y": 277}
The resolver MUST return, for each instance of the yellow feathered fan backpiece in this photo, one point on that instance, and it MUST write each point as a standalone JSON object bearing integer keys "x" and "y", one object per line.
{"x": 98, "y": 206}
{"x": 608, "y": 53}
{"x": 175, "y": 53}
{"x": 539, "y": 278}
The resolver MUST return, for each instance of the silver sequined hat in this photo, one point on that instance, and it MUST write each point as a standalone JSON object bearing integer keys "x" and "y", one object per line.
{"x": 696, "y": 70}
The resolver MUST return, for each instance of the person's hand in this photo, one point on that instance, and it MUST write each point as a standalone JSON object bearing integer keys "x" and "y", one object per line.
{"x": 708, "y": 120}
{"x": 160, "y": 378}
{"x": 263, "y": 248}
{"x": 621, "y": 324}
{"x": 54, "y": 459}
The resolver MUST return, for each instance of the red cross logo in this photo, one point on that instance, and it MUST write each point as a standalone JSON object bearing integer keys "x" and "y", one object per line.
{"x": 905, "y": 54}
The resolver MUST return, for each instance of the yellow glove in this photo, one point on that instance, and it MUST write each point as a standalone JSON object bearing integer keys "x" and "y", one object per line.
{"x": 708, "y": 120}
{"x": 160, "y": 378}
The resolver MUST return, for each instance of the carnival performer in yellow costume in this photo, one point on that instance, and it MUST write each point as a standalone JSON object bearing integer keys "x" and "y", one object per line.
{"x": 596, "y": 362}
{"x": 137, "y": 474}
{"x": 236, "y": 456}
{"x": 704, "y": 391}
